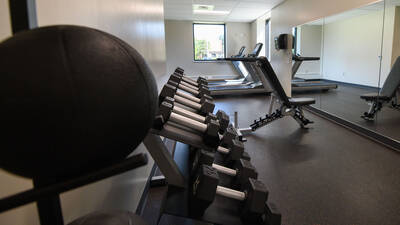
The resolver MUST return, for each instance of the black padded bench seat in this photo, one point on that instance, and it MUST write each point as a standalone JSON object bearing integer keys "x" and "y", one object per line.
{"x": 374, "y": 96}
{"x": 301, "y": 101}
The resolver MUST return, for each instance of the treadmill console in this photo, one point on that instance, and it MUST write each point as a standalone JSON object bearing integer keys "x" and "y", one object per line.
{"x": 256, "y": 50}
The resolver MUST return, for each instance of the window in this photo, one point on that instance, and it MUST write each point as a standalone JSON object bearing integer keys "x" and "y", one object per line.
{"x": 208, "y": 41}
{"x": 296, "y": 41}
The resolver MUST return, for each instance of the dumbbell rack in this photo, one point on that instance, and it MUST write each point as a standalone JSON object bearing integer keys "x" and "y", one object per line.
{"x": 193, "y": 126}
{"x": 176, "y": 170}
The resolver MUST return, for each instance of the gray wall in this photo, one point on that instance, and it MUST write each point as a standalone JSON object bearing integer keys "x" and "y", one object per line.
{"x": 179, "y": 48}
{"x": 141, "y": 24}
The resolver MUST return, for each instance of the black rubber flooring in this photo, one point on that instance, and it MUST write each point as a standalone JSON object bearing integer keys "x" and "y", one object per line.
{"x": 346, "y": 103}
{"x": 323, "y": 175}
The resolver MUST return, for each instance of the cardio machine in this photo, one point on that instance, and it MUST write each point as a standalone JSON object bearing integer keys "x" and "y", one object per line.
{"x": 249, "y": 83}
{"x": 307, "y": 85}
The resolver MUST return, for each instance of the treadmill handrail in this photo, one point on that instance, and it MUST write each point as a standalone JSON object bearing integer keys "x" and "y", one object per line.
{"x": 304, "y": 58}
{"x": 244, "y": 59}
{"x": 269, "y": 74}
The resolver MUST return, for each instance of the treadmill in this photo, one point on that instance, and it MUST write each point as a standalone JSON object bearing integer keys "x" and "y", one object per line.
{"x": 214, "y": 82}
{"x": 299, "y": 84}
{"x": 250, "y": 82}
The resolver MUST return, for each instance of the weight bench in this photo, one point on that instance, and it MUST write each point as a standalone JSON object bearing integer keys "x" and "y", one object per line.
{"x": 388, "y": 94}
{"x": 288, "y": 106}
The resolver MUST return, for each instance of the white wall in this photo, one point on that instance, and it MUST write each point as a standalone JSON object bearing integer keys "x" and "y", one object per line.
{"x": 253, "y": 31}
{"x": 310, "y": 45}
{"x": 138, "y": 22}
{"x": 179, "y": 48}
{"x": 258, "y": 28}
{"x": 292, "y": 13}
{"x": 5, "y": 25}
{"x": 396, "y": 35}
{"x": 388, "y": 43}
{"x": 141, "y": 24}
{"x": 351, "y": 49}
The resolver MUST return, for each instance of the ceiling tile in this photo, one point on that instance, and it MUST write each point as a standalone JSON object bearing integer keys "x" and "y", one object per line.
{"x": 240, "y": 10}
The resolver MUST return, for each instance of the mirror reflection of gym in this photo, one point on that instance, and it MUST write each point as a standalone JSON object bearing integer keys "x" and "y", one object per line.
{"x": 385, "y": 110}
{"x": 357, "y": 54}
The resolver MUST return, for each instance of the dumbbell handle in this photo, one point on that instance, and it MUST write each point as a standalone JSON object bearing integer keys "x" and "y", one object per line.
{"x": 223, "y": 150}
{"x": 189, "y": 85}
{"x": 190, "y": 81}
{"x": 224, "y": 170}
{"x": 230, "y": 193}
{"x": 188, "y": 89}
{"x": 196, "y": 125}
{"x": 189, "y": 114}
{"x": 190, "y": 97}
{"x": 184, "y": 117}
{"x": 187, "y": 102}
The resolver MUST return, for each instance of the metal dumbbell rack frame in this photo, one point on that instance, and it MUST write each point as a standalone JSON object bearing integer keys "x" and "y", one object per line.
{"x": 47, "y": 194}
{"x": 176, "y": 170}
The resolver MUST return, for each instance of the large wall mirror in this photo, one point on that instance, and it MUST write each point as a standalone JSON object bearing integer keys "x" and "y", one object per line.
{"x": 347, "y": 62}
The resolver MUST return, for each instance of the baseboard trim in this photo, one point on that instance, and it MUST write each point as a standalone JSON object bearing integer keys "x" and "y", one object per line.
{"x": 352, "y": 84}
{"x": 370, "y": 134}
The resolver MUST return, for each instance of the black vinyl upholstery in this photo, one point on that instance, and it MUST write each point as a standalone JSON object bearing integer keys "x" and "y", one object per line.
{"x": 301, "y": 101}
{"x": 390, "y": 86}
{"x": 273, "y": 80}
{"x": 374, "y": 96}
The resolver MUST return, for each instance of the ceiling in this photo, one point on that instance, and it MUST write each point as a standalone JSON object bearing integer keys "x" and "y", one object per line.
{"x": 356, "y": 12}
{"x": 239, "y": 10}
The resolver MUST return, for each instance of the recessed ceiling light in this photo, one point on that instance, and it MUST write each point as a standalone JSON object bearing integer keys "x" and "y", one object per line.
{"x": 213, "y": 12}
{"x": 203, "y": 7}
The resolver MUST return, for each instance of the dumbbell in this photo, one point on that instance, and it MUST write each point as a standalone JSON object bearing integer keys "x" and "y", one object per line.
{"x": 221, "y": 116}
{"x": 271, "y": 216}
{"x": 241, "y": 172}
{"x": 200, "y": 80}
{"x": 231, "y": 147}
{"x": 209, "y": 130}
{"x": 205, "y": 187}
{"x": 229, "y": 135}
{"x": 179, "y": 79}
{"x": 203, "y": 105}
{"x": 232, "y": 153}
{"x": 197, "y": 93}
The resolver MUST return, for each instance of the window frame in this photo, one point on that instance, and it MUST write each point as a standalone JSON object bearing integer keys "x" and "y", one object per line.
{"x": 295, "y": 46}
{"x": 193, "y": 47}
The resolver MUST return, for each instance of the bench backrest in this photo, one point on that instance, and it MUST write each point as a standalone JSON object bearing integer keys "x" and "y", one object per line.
{"x": 392, "y": 82}
{"x": 273, "y": 80}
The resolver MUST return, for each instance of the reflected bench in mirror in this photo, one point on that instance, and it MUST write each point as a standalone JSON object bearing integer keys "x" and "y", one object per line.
{"x": 388, "y": 95}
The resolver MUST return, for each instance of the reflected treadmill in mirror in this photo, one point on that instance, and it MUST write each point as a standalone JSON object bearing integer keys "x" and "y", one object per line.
{"x": 299, "y": 84}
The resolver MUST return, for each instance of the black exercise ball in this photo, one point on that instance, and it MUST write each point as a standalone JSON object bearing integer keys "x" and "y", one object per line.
{"x": 72, "y": 100}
